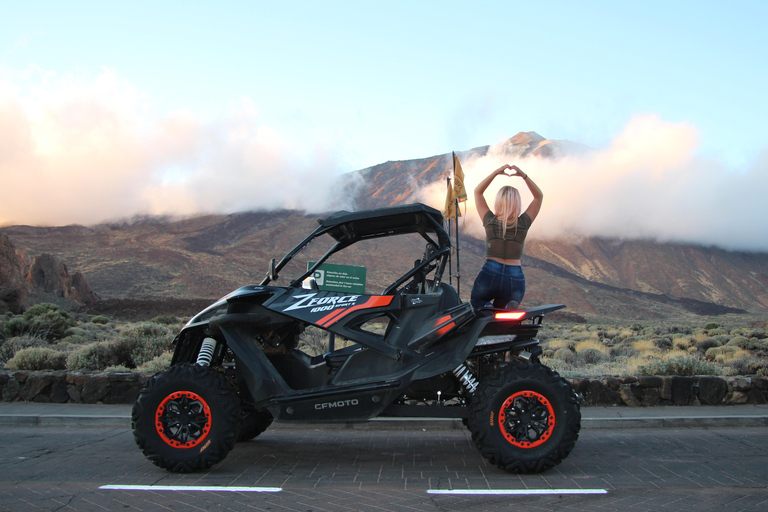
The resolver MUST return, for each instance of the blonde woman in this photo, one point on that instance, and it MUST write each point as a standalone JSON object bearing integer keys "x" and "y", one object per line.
{"x": 501, "y": 280}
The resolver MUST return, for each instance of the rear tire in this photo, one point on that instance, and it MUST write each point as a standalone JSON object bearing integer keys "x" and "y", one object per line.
{"x": 525, "y": 418}
{"x": 186, "y": 418}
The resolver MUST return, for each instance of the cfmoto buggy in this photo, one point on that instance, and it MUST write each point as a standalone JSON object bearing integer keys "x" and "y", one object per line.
{"x": 301, "y": 353}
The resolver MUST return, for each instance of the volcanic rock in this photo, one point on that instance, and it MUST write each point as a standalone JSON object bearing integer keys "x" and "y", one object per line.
{"x": 13, "y": 288}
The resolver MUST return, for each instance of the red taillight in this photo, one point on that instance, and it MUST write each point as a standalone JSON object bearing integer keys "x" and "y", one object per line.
{"x": 510, "y": 315}
{"x": 446, "y": 328}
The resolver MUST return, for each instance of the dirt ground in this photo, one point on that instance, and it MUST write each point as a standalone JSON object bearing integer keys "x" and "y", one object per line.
{"x": 135, "y": 310}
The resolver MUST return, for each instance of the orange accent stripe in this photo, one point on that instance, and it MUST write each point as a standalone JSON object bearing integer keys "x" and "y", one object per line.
{"x": 375, "y": 301}
{"x": 329, "y": 316}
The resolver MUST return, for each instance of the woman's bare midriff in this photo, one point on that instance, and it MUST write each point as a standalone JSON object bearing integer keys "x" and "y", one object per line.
{"x": 505, "y": 262}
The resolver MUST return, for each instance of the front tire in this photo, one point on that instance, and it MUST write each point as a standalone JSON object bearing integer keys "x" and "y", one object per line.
{"x": 186, "y": 418}
{"x": 525, "y": 418}
{"x": 254, "y": 422}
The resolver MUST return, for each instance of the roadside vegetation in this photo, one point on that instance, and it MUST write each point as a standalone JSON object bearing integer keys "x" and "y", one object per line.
{"x": 46, "y": 337}
{"x": 591, "y": 350}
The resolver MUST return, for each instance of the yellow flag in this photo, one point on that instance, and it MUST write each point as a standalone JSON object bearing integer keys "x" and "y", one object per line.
{"x": 459, "y": 192}
{"x": 450, "y": 209}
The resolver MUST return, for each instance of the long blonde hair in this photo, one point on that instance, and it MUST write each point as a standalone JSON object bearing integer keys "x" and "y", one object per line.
{"x": 507, "y": 206}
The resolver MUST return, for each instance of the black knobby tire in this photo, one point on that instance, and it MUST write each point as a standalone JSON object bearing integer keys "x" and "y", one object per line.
{"x": 253, "y": 422}
{"x": 186, "y": 418}
{"x": 525, "y": 418}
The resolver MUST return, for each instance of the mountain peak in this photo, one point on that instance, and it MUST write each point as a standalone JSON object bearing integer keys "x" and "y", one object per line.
{"x": 525, "y": 138}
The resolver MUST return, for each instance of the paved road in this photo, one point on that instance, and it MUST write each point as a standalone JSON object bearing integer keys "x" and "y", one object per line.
{"x": 65, "y": 468}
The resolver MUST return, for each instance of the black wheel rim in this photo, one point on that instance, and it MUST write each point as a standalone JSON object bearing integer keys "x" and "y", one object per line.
{"x": 183, "y": 419}
{"x": 526, "y": 419}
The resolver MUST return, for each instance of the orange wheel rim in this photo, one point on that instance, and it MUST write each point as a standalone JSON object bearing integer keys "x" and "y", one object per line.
{"x": 526, "y": 419}
{"x": 183, "y": 420}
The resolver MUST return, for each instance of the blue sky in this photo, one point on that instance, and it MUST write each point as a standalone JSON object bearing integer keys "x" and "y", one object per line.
{"x": 339, "y": 86}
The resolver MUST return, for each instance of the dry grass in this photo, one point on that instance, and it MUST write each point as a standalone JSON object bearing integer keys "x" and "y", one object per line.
{"x": 583, "y": 350}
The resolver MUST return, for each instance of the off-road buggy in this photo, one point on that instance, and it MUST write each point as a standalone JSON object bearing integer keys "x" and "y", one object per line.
{"x": 298, "y": 353}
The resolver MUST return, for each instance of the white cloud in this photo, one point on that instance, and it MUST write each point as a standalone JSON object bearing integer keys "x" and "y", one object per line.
{"x": 83, "y": 149}
{"x": 648, "y": 183}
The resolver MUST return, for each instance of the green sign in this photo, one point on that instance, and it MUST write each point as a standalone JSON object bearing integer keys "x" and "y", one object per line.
{"x": 339, "y": 278}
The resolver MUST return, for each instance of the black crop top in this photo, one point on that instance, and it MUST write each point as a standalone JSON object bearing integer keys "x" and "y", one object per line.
{"x": 509, "y": 247}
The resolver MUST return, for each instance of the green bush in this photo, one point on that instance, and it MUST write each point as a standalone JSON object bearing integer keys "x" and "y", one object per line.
{"x": 713, "y": 352}
{"x": 708, "y": 343}
{"x": 157, "y": 364}
{"x": 749, "y": 366}
{"x": 682, "y": 365}
{"x": 134, "y": 348}
{"x": 99, "y": 356}
{"x": 100, "y": 320}
{"x": 745, "y": 343}
{"x": 11, "y": 346}
{"x": 37, "y": 358}
{"x": 146, "y": 342}
{"x": 43, "y": 320}
{"x": 14, "y": 326}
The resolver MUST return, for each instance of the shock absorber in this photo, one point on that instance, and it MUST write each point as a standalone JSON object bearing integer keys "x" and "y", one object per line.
{"x": 465, "y": 376}
{"x": 207, "y": 349}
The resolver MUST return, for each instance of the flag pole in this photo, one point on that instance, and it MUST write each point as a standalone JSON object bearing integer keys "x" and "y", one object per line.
{"x": 450, "y": 256}
{"x": 456, "y": 202}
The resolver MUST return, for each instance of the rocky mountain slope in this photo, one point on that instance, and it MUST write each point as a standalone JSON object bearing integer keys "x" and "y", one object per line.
{"x": 42, "y": 278}
{"x": 208, "y": 256}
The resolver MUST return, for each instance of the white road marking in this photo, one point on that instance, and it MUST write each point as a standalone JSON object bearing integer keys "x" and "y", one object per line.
{"x": 517, "y": 491}
{"x": 205, "y": 488}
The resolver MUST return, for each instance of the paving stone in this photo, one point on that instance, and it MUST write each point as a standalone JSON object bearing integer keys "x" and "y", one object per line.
{"x": 646, "y": 470}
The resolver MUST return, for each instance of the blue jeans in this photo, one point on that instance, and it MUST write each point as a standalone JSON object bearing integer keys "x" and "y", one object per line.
{"x": 498, "y": 283}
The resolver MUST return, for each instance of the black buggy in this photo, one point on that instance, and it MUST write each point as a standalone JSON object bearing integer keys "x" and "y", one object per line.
{"x": 299, "y": 353}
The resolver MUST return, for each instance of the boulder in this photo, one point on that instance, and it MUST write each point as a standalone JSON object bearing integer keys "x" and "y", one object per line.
{"x": 712, "y": 390}
{"x": 50, "y": 276}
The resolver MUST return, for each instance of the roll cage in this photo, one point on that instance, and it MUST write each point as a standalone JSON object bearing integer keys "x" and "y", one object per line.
{"x": 348, "y": 228}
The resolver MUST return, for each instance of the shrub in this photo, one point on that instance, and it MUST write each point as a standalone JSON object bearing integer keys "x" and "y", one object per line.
{"x": 590, "y": 356}
{"x": 37, "y": 358}
{"x": 134, "y": 348}
{"x": 14, "y": 326}
{"x": 47, "y": 321}
{"x": 682, "y": 365}
{"x": 682, "y": 342}
{"x": 745, "y": 343}
{"x": 749, "y": 366}
{"x": 98, "y": 356}
{"x": 557, "y": 343}
{"x": 146, "y": 342}
{"x": 623, "y": 350}
{"x": 100, "y": 320}
{"x": 726, "y": 353}
{"x": 711, "y": 325}
{"x": 11, "y": 346}
{"x": 565, "y": 354}
{"x": 165, "y": 320}
{"x": 708, "y": 343}
{"x": 117, "y": 369}
{"x": 157, "y": 364}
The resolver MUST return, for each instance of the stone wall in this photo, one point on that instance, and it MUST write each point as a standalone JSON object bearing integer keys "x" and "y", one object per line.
{"x": 72, "y": 387}
{"x": 123, "y": 388}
